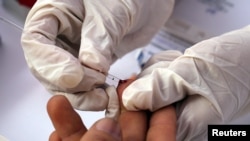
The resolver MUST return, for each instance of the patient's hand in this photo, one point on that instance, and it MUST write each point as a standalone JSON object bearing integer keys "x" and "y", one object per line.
{"x": 134, "y": 125}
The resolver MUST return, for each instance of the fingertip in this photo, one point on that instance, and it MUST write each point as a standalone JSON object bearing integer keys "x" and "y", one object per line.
{"x": 122, "y": 86}
{"x": 54, "y": 100}
{"x": 120, "y": 89}
{"x": 55, "y": 103}
{"x": 54, "y": 137}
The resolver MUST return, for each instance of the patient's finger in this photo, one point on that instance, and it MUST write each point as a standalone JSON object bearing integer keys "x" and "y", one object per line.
{"x": 133, "y": 124}
{"x": 68, "y": 124}
{"x": 54, "y": 137}
{"x": 123, "y": 84}
{"x": 162, "y": 126}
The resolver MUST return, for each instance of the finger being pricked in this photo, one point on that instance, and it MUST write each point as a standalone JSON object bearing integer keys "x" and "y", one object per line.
{"x": 134, "y": 124}
{"x": 162, "y": 125}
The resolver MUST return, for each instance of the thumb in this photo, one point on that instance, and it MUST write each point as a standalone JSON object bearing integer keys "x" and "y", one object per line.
{"x": 105, "y": 129}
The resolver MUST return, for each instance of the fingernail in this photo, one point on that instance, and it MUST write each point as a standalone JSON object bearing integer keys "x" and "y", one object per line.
{"x": 109, "y": 126}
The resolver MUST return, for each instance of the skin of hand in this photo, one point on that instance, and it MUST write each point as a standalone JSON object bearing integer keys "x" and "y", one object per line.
{"x": 131, "y": 125}
{"x": 69, "y": 126}
{"x": 161, "y": 124}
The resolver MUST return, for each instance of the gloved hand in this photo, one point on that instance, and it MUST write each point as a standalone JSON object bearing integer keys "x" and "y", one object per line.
{"x": 70, "y": 45}
{"x": 212, "y": 78}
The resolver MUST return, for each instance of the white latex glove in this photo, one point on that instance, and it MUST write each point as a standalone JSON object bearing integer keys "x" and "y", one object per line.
{"x": 213, "y": 76}
{"x": 69, "y": 45}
